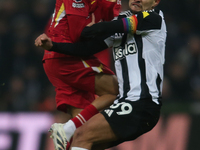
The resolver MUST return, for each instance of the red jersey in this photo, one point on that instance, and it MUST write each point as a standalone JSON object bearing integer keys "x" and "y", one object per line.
{"x": 71, "y": 16}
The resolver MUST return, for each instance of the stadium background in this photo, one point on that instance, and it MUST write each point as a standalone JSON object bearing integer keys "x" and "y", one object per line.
{"x": 27, "y": 106}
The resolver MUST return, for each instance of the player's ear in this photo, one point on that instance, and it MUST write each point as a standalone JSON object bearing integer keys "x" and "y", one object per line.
{"x": 156, "y": 3}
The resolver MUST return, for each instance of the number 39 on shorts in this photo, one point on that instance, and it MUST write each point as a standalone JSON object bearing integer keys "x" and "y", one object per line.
{"x": 126, "y": 108}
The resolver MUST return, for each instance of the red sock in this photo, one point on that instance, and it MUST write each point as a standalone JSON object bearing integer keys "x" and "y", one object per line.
{"x": 84, "y": 115}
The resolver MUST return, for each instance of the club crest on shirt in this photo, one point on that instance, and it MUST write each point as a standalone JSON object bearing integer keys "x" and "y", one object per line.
{"x": 120, "y": 52}
{"x": 78, "y": 4}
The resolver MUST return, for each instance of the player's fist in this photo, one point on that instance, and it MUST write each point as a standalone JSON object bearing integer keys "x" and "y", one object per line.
{"x": 43, "y": 41}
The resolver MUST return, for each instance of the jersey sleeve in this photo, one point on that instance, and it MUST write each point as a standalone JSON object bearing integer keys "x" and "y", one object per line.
{"x": 85, "y": 48}
{"x": 148, "y": 21}
{"x": 142, "y": 22}
{"x": 124, "y": 25}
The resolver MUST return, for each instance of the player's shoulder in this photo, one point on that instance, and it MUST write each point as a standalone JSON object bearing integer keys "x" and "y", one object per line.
{"x": 149, "y": 20}
{"x": 153, "y": 15}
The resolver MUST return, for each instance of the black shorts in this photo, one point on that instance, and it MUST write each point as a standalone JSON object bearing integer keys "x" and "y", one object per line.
{"x": 130, "y": 119}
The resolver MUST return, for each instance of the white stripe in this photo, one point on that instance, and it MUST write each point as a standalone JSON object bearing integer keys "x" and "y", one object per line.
{"x": 110, "y": 112}
{"x": 60, "y": 17}
{"x": 107, "y": 111}
{"x": 78, "y": 148}
{"x": 82, "y": 117}
{"x": 96, "y": 69}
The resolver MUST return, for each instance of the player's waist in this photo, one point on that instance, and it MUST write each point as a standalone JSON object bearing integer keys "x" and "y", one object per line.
{"x": 50, "y": 54}
{"x": 60, "y": 37}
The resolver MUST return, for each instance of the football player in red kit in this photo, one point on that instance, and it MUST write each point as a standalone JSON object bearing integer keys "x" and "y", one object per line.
{"x": 78, "y": 79}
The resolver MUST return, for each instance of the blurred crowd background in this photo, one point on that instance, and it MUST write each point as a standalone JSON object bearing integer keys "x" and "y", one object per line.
{"x": 25, "y": 87}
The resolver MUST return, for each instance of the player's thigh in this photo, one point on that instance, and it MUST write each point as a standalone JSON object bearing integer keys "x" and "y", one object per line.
{"x": 73, "y": 111}
{"x": 106, "y": 84}
{"x": 96, "y": 130}
{"x": 66, "y": 94}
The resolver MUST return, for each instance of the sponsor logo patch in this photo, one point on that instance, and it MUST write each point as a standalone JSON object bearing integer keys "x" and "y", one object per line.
{"x": 78, "y": 4}
{"x": 120, "y": 52}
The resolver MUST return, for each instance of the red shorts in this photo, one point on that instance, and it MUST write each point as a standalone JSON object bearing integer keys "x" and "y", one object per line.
{"x": 74, "y": 79}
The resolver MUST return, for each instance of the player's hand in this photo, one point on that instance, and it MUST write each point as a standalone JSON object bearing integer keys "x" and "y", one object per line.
{"x": 43, "y": 41}
{"x": 93, "y": 20}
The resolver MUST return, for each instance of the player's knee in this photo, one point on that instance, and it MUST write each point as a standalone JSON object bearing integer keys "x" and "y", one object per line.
{"x": 78, "y": 136}
{"x": 82, "y": 135}
{"x": 114, "y": 88}
{"x": 106, "y": 84}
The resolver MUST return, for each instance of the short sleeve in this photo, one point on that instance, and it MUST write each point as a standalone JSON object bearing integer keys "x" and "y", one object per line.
{"x": 148, "y": 21}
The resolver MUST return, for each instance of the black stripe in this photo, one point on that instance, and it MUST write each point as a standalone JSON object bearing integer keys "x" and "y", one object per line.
{"x": 144, "y": 88}
{"x": 157, "y": 11}
{"x": 158, "y": 82}
{"x": 61, "y": 144}
{"x": 126, "y": 84}
{"x": 61, "y": 141}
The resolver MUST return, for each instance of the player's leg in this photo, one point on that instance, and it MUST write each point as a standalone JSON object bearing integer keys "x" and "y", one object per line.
{"x": 106, "y": 87}
{"x": 123, "y": 121}
{"x": 96, "y": 130}
{"x": 68, "y": 99}
{"x": 73, "y": 111}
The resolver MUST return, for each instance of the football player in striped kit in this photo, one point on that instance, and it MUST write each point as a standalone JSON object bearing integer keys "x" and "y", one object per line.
{"x": 138, "y": 43}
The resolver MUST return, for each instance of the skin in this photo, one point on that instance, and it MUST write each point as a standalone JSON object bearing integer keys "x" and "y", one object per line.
{"x": 141, "y": 5}
{"x": 94, "y": 133}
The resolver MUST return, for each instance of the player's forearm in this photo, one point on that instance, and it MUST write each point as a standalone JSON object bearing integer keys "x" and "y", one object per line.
{"x": 81, "y": 48}
{"x": 125, "y": 25}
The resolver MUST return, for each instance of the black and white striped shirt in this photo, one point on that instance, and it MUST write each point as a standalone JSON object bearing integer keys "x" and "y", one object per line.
{"x": 139, "y": 58}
